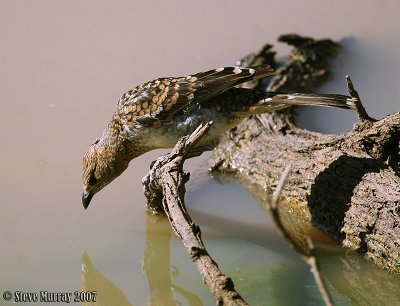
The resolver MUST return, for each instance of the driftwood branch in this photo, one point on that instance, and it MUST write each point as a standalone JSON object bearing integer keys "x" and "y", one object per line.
{"x": 309, "y": 256}
{"x": 166, "y": 180}
{"x": 348, "y": 184}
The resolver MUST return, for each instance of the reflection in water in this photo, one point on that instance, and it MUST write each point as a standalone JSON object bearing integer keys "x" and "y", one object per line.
{"x": 156, "y": 260}
{"x": 352, "y": 276}
{"x": 107, "y": 293}
{"x": 156, "y": 264}
{"x": 193, "y": 299}
{"x": 156, "y": 267}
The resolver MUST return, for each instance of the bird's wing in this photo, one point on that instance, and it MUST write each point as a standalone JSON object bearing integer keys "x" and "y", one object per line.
{"x": 212, "y": 83}
{"x": 157, "y": 101}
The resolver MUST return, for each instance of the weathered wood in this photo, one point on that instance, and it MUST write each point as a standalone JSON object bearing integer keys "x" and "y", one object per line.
{"x": 166, "y": 180}
{"x": 348, "y": 184}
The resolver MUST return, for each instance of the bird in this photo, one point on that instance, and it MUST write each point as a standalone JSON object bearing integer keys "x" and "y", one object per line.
{"x": 156, "y": 114}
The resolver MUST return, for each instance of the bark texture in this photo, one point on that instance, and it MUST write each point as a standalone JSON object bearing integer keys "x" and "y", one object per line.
{"x": 166, "y": 180}
{"x": 347, "y": 184}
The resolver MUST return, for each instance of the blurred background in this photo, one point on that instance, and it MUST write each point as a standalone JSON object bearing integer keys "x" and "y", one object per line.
{"x": 64, "y": 65}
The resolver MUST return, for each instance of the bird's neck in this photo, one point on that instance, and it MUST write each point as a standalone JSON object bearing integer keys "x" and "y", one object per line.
{"x": 125, "y": 148}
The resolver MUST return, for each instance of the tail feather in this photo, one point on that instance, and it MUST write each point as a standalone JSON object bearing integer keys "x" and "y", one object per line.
{"x": 310, "y": 99}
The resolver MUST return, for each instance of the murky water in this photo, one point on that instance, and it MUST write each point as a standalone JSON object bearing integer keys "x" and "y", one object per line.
{"x": 64, "y": 64}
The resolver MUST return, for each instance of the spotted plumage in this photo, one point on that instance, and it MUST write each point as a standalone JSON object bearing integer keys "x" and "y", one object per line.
{"x": 156, "y": 102}
{"x": 157, "y": 113}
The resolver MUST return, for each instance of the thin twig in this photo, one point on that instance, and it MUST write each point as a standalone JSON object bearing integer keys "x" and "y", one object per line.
{"x": 310, "y": 258}
{"x": 316, "y": 271}
{"x": 279, "y": 187}
{"x": 362, "y": 114}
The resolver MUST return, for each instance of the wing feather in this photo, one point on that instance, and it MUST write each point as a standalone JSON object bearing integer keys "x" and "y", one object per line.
{"x": 156, "y": 102}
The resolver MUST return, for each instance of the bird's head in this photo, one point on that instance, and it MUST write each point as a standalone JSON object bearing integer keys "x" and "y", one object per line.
{"x": 102, "y": 163}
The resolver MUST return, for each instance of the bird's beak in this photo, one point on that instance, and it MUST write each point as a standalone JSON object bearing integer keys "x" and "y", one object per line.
{"x": 86, "y": 198}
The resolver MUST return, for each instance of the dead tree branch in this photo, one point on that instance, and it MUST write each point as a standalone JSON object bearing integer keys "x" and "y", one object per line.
{"x": 166, "y": 180}
{"x": 348, "y": 185}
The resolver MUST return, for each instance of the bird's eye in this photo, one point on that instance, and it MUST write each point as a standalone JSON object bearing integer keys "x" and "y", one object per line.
{"x": 92, "y": 180}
